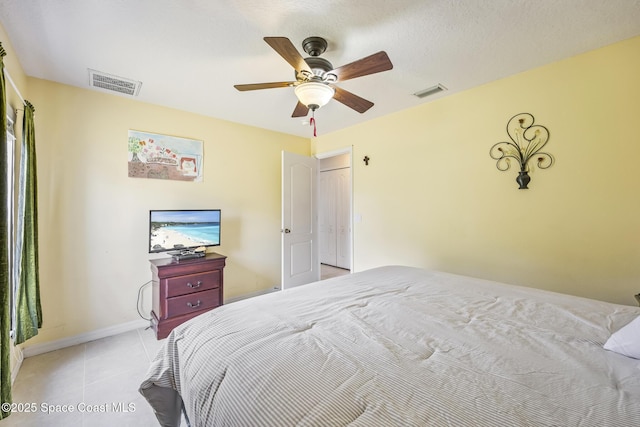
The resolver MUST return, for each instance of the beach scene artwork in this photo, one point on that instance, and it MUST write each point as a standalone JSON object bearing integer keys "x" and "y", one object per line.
{"x": 152, "y": 155}
{"x": 178, "y": 230}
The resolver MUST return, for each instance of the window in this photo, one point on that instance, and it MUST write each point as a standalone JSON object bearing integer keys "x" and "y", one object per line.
{"x": 10, "y": 177}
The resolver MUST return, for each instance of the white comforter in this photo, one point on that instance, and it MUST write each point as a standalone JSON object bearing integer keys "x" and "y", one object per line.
{"x": 399, "y": 346}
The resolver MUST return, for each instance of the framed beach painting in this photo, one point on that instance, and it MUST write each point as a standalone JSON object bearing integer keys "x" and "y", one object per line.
{"x": 152, "y": 155}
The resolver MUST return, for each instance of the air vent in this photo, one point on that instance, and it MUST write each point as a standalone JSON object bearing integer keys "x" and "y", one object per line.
{"x": 430, "y": 91}
{"x": 113, "y": 83}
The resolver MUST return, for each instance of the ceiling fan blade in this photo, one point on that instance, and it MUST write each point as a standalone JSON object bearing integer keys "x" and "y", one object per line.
{"x": 288, "y": 51}
{"x": 301, "y": 110}
{"x": 351, "y": 100}
{"x": 257, "y": 86}
{"x": 370, "y": 65}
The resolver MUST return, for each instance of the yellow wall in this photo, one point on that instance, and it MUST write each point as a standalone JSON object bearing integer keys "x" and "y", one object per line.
{"x": 94, "y": 218}
{"x": 431, "y": 195}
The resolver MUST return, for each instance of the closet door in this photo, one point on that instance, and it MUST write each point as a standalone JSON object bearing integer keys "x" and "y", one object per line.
{"x": 343, "y": 215}
{"x": 334, "y": 217}
{"x": 327, "y": 218}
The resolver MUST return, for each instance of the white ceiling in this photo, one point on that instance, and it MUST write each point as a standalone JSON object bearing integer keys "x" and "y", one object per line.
{"x": 188, "y": 54}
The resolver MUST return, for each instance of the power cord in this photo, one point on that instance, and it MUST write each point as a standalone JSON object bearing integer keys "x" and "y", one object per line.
{"x": 139, "y": 298}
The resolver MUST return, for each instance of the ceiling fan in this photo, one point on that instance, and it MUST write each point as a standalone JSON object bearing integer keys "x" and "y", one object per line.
{"x": 315, "y": 76}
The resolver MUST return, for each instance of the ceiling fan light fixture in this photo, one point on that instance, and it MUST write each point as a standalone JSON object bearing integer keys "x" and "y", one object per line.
{"x": 314, "y": 95}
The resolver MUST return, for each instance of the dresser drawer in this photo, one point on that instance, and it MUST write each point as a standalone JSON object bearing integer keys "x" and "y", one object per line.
{"x": 191, "y": 303}
{"x": 190, "y": 283}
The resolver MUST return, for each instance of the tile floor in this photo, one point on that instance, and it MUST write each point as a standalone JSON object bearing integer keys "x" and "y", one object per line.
{"x": 98, "y": 374}
{"x": 328, "y": 271}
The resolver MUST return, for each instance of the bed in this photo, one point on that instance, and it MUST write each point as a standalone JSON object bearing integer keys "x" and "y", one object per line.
{"x": 400, "y": 346}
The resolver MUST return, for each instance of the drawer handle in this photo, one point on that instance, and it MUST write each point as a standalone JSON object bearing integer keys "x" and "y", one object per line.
{"x": 192, "y": 286}
{"x": 196, "y": 305}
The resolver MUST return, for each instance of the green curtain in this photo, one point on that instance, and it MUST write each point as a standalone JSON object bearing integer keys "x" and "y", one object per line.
{"x": 28, "y": 310}
{"x": 5, "y": 291}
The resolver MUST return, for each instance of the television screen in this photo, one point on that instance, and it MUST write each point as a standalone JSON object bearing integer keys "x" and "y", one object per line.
{"x": 176, "y": 230}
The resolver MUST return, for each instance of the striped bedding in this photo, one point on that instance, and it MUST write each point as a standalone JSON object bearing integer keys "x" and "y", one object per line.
{"x": 399, "y": 346}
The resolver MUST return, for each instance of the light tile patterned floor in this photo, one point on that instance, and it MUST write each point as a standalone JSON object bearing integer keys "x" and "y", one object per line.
{"x": 101, "y": 374}
{"x": 328, "y": 271}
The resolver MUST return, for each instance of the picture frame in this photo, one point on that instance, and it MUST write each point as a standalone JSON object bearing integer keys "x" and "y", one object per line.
{"x": 157, "y": 156}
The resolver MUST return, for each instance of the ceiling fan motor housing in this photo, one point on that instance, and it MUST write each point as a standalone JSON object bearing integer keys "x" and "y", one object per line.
{"x": 319, "y": 66}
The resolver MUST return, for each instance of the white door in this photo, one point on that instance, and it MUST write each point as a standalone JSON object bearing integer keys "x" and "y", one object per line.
{"x": 343, "y": 218}
{"x": 327, "y": 218}
{"x": 335, "y": 217}
{"x": 300, "y": 264}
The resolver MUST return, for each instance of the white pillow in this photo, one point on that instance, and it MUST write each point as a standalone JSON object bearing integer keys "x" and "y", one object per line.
{"x": 626, "y": 341}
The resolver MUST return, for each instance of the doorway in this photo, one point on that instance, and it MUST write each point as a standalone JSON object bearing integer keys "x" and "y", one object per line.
{"x": 334, "y": 213}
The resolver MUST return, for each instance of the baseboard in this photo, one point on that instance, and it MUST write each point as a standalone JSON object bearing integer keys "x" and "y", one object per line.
{"x": 37, "y": 349}
{"x": 16, "y": 368}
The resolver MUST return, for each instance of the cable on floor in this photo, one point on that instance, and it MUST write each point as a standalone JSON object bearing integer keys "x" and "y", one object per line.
{"x": 140, "y": 298}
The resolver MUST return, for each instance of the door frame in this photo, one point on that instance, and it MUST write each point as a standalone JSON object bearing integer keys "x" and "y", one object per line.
{"x": 334, "y": 153}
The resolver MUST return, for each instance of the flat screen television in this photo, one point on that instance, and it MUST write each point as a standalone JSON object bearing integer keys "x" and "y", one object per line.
{"x": 183, "y": 230}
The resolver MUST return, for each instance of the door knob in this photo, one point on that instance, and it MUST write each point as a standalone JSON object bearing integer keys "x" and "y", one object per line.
{"x": 286, "y": 230}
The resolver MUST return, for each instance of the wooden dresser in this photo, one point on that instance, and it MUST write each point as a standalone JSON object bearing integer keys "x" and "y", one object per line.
{"x": 184, "y": 289}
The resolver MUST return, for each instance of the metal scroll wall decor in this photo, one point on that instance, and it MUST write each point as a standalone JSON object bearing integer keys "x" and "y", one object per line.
{"x": 527, "y": 141}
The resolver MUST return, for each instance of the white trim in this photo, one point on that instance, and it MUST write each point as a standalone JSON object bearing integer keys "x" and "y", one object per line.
{"x": 326, "y": 154}
{"x": 16, "y": 368}
{"x": 11, "y": 218}
{"x": 37, "y": 349}
{"x": 46, "y": 347}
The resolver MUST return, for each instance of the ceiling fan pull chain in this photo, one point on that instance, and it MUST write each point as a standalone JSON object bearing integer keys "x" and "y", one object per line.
{"x": 312, "y": 121}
